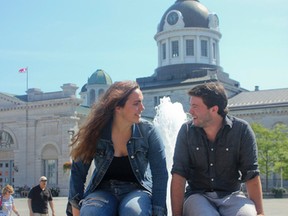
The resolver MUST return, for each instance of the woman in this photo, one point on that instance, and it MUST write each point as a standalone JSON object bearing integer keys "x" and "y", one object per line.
{"x": 130, "y": 174}
{"x": 7, "y": 202}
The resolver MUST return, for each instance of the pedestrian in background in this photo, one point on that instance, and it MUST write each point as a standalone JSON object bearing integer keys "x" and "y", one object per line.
{"x": 38, "y": 199}
{"x": 7, "y": 204}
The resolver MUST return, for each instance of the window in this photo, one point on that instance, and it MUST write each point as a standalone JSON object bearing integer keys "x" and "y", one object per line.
{"x": 204, "y": 48}
{"x": 175, "y": 49}
{"x": 92, "y": 97}
{"x": 100, "y": 92}
{"x": 190, "y": 47}
{"x": 6, "y": 140}
{"x": 214, "y": 50}
{"x": 50, "y": 171}
{"x": 155, "y": 101}
{"x": 6, "y": 173}
{"x": 164, "y": 51}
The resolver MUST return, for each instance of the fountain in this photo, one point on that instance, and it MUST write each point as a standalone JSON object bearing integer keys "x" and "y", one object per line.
{"x": 168, "y": 120}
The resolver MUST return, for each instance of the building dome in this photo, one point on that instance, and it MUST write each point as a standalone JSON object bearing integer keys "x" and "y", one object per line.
{"x": 194, "y": 14}
{"x": 99, "y": 77}
{"x": 84, "y": 88}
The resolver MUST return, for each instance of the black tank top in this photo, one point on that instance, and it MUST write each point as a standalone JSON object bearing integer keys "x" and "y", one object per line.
{"x": 120, "y": 169}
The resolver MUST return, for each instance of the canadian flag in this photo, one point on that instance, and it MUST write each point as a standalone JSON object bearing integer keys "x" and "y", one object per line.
{"x": 23, "y": 70}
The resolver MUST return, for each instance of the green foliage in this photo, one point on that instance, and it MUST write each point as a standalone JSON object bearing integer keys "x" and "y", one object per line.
{"x": 281, "y": 164}
{"x": 272, "y": 149}
{"x": 278, "y": 192}
{"x": 67, "y": 165}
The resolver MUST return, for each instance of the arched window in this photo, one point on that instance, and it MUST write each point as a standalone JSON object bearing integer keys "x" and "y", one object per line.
{"x": 100, "y": 92}
{"x": 6, "y": 141}
{"x": 91, "y": 97}
{"x": 50, "y": 164}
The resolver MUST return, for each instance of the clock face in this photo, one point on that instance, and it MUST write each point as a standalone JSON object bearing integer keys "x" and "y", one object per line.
{"x": 172, "y": 18}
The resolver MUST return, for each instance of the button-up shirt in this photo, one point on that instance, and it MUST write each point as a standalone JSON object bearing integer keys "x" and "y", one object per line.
{"x": 219, "y": 166}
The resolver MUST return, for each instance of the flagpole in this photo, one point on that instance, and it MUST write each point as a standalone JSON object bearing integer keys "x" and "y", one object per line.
{"x": 27, "y": 81}
{"x": 25, "y": 70}
{"x": 27, "y": 133}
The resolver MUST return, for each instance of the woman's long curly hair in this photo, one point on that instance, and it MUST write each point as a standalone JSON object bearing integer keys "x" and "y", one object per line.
{"x": 84, "y": 142}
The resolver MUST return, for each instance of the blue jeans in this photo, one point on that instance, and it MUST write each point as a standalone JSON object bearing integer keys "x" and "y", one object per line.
{"x": 116, "y": 198}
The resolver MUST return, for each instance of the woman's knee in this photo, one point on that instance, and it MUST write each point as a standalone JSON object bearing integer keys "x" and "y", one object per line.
{"x": 99, "y": 203}
{"x": 136, "y": 203}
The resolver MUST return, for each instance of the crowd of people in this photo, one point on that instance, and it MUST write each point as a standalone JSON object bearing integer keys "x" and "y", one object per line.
{"x": 215, "y": 154}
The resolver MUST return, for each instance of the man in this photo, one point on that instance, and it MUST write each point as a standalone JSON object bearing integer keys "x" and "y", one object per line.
{"x": 38, "y": 199}
{"x": 215, "y": 153}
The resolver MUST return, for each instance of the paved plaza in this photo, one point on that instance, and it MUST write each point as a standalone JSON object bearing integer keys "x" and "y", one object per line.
{"x": 273, "y": 207}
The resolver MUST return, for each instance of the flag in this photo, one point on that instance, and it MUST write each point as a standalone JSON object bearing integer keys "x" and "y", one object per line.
{"x": 23, "y": 70}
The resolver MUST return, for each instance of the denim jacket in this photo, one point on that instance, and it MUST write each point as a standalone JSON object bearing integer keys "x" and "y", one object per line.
{"x": 147, "y": 158}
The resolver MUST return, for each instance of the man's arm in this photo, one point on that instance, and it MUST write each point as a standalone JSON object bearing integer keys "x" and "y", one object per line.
{"x": 254, "y": 189}
{"x": 177, "y": 194}
{"x": 30, "y": 206}
{"x": 52, "y": 207}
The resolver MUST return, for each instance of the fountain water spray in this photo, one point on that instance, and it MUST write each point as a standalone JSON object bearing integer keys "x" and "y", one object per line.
{"x": 168, "y": 120}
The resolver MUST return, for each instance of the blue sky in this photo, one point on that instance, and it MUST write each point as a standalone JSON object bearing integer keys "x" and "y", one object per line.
{"x": 66, "y": 41}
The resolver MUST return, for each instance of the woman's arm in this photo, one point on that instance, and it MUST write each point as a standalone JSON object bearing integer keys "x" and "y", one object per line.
{"x": 75, "y": 211}
{"x": 14, "y": 209}
{"x": 79, "y": 171}
{"x": 157, "y": 160}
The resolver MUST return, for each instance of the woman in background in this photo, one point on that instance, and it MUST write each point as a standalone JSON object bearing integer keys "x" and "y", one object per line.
{"x": 7, "y": 202}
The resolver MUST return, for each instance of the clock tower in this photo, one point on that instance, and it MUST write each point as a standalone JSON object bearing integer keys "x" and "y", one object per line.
{"x": 188, "y": 38}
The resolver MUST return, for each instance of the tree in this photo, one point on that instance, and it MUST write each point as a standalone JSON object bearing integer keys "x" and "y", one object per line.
{"x": 265, "y": 150}
{"x": 272, "y": 150}
{"x": 280, "y": 132}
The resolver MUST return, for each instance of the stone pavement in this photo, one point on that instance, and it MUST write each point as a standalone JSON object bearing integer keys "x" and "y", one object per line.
{"x": 272, "y": 207}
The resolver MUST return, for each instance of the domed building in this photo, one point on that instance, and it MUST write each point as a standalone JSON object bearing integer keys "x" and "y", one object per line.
{"x": 96, "y": 85}
{"x": 187, "y": 38}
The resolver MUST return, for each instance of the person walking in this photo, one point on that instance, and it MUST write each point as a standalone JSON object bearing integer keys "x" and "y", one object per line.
{"x": 7, "y": 204}
{"x": 130, "y": 175}
{"x": 215, "y": 153}
{"x": 38, "y": 199}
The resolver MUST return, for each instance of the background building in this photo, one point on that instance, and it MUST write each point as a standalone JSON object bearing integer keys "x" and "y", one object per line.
{"x": 188, "y": 41}
{"x": 36, "y": 129}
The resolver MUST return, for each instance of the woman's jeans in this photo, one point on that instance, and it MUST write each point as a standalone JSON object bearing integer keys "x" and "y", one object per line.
{"x": 116, "y": 198}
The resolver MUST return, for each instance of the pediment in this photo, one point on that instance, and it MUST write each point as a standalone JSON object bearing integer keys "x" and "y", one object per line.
{"x": 9, "y": 101}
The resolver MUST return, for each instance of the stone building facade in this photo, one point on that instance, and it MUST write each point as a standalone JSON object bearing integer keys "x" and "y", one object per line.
{"x": 36, "y": 129}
